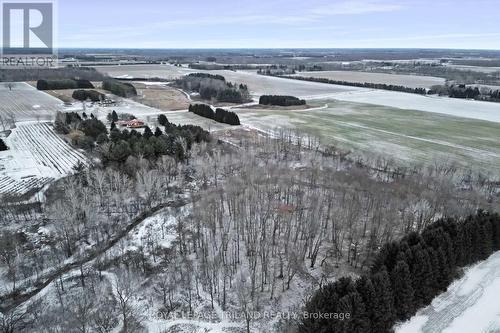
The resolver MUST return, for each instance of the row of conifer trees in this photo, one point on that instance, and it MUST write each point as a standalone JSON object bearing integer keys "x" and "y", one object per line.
{"x": 220, "y": 115}
{"x": 406, "y": 275}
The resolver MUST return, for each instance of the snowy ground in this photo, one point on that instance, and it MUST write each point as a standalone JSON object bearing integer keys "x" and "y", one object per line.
{"x": 260, "y": 85}
{"x": 470, "y": 304}
{"x": 25, "y": 103}
{"x": 36, "y": 156}
{"x": 405, "y": 135}
{"x": 488, "y": 111}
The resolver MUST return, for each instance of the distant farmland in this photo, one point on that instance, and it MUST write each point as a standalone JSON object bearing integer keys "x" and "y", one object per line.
{"x": 407, "y": 127}
{"x": 412, "y": 81}
{"x": 404, "y": 135}
{"x": 258, "y": 84}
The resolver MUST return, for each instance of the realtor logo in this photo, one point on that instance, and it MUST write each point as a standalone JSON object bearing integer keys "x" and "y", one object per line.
{"x": 28, "y": 34}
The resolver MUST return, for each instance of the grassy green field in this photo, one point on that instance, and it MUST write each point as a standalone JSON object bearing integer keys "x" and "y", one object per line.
{"x": 414, "y": 136}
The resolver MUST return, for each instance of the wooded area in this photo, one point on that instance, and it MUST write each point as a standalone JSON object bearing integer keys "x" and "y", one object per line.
{"x": 262, "y": 219}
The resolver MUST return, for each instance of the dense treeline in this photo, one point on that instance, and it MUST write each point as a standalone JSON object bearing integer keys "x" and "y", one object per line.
{"x": 3, "y": 146}
{"x": 118, "y": 88}
{"x": 406, "y": 275}
{"x": 466, "y": 92}
{"x": 202, "y": 110}
{"x": 214, "y": 87}
{"x": 226, "y": 117}
{"x": 220, "y": 115}
{"x": 64, "y": 84}
{"x": 208, "y": 76}
{"x": 391, "y": 87}
{"x": 83, "y": 95}
{"x": 34, "y": 74}
{"x": 281, "y": 100}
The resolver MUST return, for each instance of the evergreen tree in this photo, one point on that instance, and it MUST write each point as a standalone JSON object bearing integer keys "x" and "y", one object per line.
{"x": 162, "y": 120}
{"x": 158, "y": 132}
{"x": 119, "y": 152}
{"x": 435, "y": 274}
{"x": 359, "y": 321}
{"x": 325, "y": 300}
{"x": 495, "y": 228}
{"x": 3, "y": 146}
{"x": 422, "y": 278}
{"x": 383, "y": 306}
{"x": 102, "y": 138}
{"x": 445, "y": 271}
{"x": 387, "y": 257}
{"x": 403, "y": 291}
{"x": 180, "y": 154}
{"x": 115, "y": 135}
{"x": 485, "y": 234}
{"x": 114, "y": 116}
{"x": 344, "y": 286}
{"x": 147, "y": 132}
{"x": 366, "y": 291}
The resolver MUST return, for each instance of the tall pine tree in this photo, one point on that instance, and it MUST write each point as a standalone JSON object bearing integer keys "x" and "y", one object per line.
{"x": 403, "y": 291}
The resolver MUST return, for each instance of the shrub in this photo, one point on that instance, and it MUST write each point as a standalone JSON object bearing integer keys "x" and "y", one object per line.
{"x": 93, "y": 128}
{"x": 162, "y": 120}
{"x": 3, "y": 146}
{"x": 226, "y": 117}
{"x": 202, "y": 110}
{"x": 119, "y": 88}
{"x": 280, "y": 100}
{"x": 83, "y": 95}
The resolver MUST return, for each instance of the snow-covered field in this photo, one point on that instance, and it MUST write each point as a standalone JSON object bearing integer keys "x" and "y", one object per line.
{"x": 488, "y": 111}
{"x": 413, "y": 81}
{"x": 470, "y": 304}
{"x": 166, "y": 71}
{"x": 405, "y": 135}
{"x": 258, "y": 84}
{"x": 25, "y": 103}
{"x": 37, "y": 155}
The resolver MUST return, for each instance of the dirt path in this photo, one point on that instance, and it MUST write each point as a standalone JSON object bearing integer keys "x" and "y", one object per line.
{"x": 14, "y": 299}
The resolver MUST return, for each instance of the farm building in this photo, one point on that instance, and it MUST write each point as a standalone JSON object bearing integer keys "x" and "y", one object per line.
{"x": 134, "y": 123}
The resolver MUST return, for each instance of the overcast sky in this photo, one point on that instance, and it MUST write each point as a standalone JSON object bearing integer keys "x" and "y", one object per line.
{"x": 279, "y": 23}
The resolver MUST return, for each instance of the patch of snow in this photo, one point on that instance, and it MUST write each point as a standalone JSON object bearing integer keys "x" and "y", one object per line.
{"x": 488, "y": 111}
